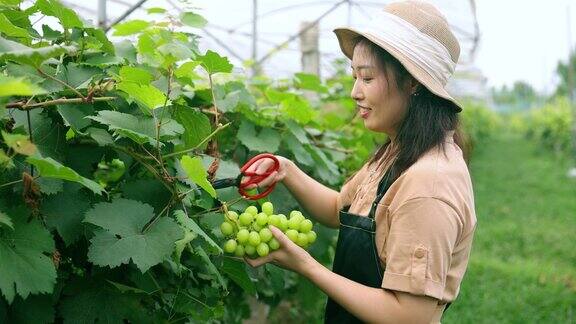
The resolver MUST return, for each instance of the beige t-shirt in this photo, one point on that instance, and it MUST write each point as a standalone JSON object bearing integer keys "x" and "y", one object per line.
{"x": 424, "y": 223}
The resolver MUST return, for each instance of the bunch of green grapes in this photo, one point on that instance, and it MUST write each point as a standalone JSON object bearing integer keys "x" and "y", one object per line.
{"x": 248, "y": 233}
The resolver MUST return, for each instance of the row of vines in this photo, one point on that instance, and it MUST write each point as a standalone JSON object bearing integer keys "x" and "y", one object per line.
{"x": 107, "y": 153}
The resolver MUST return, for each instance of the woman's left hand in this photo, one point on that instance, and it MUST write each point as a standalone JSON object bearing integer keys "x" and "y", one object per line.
{"x": 289, "y": 256}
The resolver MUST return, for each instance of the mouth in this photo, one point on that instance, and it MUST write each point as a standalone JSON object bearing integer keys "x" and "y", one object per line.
{"x": 363, "y": 111}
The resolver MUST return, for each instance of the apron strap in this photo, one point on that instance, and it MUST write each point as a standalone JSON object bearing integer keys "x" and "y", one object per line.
{"x": 383, "y": 186}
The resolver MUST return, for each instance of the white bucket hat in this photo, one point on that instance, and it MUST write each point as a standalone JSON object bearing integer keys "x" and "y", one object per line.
{"x": 418, "y": 36}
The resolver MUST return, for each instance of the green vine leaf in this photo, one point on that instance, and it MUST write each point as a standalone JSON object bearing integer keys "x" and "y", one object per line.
{"x": 50, "y": 168}
{"x": 122, "y": 237}
{"x": 214, "y": 63}
{"x": 309, "y": 82}
{"x": 54, "y": 8}
{"x": 11, "y": 86}
{"x": 10, "y": 29}
{"x": 197, "y": 127}
{"x": 146, "y": 95}
{"x": 130, "y": 27}
{"x": 6, "y": 221}
{"x": 196, "y": 173}
{"x": 193, "y": 20}
{"x": 237, "y": 272}
{"x": 140, "y": 129}
{"x": 189, "y": 224}
{"x": 12, "y": 51}
{"x": 25, "y": 269}
{"x": 268, "y": 140}
{"x": 19, "y": 143}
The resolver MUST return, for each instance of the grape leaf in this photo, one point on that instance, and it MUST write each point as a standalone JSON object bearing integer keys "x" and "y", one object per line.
{"x": 19, "y": 143}
{"x": 34, "y": 309}
{"x": 237, "y": 272}
{"x": 93, "y": 300}
{"x": 25, "y": 269}
{"x": 298, "y": 150}
{"x": 130, "y": 27}
{"x": 10, "y": 29}
{"x": 17, "y": 52}
{"x": 54, "y": 8}
{"x": 11, "y": 86}
{"x": 156, "y": 10}
{"x": 65, "y": 212}
{"x": 267, "y": 141}
{"x": 74, "y": 115}
{"x": 191, "y": 225}
{"x": 50, "y": 168}
{"x": 193, "y": 20}
{"x": 196, "y": 124}
{"x": 309, "y": 82}
{"x": 140, "y": 129}
{"x": 122, "y": 237}
{"x": 6, "y": 221}
{"x": 210, "y": 266}
{"x": 214, "y": 63}
{"x": 146, "y": 95}
{"x": 196, "y": 172}
{"x": 298, "y": 109}
{"x": 135, "y": 75}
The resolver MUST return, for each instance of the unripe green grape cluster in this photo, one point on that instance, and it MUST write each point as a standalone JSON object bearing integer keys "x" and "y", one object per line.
{"x": 248, "y": 234}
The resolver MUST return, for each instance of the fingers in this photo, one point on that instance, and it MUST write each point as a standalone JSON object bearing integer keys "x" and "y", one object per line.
{"x": 279, "y": 235}
{"x": 259, "y": 261}
{"x": 252, "y": 168}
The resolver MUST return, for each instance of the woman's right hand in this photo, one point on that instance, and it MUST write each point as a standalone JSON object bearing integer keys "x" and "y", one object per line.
{"x": 260, "y": 167}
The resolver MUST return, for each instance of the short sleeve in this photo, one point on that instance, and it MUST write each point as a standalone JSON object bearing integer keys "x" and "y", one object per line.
{"x": 419, "y": 247}
{"x": 350, "y": 188}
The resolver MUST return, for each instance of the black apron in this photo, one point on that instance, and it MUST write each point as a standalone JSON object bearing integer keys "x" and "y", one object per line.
{"x": 356, "y": 254}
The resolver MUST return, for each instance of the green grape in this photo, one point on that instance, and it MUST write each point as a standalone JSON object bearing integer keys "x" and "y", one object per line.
{"x": 295, "y": 213}
{"x": 265, "y": 235}
{"x": 274, "y": 220}
{"x": 283, "y": 225}
{"x": 231, "y": 216}
{"x": 306, "y": 226}
{"x": 256, "y": 226}
{"x": 262, "y": 219}
{"x": 246, "y": 219}
{"x": 242, "y": 235}
{"x": 292, "y": 235}
{"x": 230, "y": 246}
{"x": 302, "y": 239}
{"x": 268, "y": 208}
{"x": 274, "y": 244}
{"x": 239, "y": 251}
{"x": 254, "y": 238}
{"x": 252, "y": 210}
{"x": 250, "y": 250}
{"x": 226, "y": 228}
{"x": 311, "y": 237}
{"x": 262, "y": 249}
{"x": 294, "y": 223}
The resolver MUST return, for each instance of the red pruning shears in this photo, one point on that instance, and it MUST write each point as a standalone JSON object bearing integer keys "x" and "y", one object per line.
{"x": 254, "y": 178}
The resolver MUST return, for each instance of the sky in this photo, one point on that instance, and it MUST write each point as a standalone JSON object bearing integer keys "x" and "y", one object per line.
{"x": 520, "y": 39}
{"x": 524, "y": 40}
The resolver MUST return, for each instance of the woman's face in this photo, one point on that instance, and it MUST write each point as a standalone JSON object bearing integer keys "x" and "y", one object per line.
{"x": 380, "y": 103}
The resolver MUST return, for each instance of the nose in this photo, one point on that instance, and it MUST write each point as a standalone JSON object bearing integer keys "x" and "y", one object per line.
{"x": 357, "y": 93}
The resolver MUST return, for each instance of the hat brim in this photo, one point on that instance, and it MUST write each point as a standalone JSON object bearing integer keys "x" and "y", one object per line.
{"x": 347, "y": 38}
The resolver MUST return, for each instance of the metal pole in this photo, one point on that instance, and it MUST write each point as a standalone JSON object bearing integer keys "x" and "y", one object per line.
{"x": 126, "y": 14}
{"x": 349, "y": 12}
{"x": 293, "y": 37}
{"x": 255, "y": 68}
{"x": 102, "y": 14}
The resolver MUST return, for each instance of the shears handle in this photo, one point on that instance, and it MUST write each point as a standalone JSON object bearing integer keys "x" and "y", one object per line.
{"x": 257, "y": 178}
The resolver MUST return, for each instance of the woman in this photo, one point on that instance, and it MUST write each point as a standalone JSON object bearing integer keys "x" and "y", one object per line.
{"x": 407, "y": 217}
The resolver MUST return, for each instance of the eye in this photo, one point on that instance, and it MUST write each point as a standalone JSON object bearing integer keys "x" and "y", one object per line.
{"x": 367, "y": 80}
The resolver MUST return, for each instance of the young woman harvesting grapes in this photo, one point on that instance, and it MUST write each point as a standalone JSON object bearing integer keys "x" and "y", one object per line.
{"x": 406, "y": 218}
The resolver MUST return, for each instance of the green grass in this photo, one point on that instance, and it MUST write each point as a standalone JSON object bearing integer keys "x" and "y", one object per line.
{"x": 523, "y": 263}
